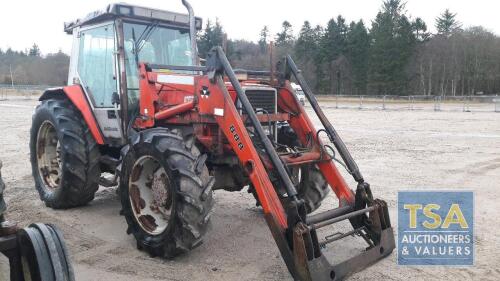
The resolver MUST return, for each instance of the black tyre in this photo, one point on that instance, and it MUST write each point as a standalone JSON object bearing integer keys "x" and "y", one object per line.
{"x": 3, "y": 207}
{"x": 166, "y": 192}
{"x": 43, "y": 254}
{"x": 313, "y": 187}
{"x": 64, "y": 155}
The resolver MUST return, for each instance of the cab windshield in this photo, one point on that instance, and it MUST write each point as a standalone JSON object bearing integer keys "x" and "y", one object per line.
{"x": 154, "y": 44}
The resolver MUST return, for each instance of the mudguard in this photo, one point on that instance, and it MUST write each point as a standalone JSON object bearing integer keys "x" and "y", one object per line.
{"x": 76, "y": 95}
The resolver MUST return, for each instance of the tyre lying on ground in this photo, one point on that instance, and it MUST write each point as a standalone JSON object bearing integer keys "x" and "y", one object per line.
{"x": 64, "y": 155}
{"x": 43, "y": 254}
{"x": 37, "y": 252}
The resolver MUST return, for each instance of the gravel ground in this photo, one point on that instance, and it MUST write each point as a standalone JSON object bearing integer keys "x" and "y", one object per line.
{"x": 396, "y": 150}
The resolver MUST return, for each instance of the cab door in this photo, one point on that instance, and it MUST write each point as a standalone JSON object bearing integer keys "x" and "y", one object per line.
{"x": 97, "y": 73}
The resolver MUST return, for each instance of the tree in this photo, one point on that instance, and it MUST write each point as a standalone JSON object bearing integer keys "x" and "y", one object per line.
{"x": 444, "y": 58}
{"x": 332, "y": 46}
{"x": 446, "y": 23}
{"x": 33, "y": 69}
{"x": 393, "y": 43}
{"x": 285, "y": 37}
{"x": 306, "y": 42}
{"x": 213, "y": 35}
{"x": 306, "y": 50}
{"x": 34, "y": 51}
{"x": 420, "y": 30}
{"x": 333, "y": 42}
{"x": 264, "y": 34}
{"x": 358, "y": 46}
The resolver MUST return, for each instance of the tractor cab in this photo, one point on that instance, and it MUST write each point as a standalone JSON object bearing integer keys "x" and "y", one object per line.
{"x": 108, "y": 46}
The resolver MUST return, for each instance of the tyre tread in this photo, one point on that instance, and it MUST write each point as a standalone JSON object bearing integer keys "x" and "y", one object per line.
{"x": 80, "y": 154}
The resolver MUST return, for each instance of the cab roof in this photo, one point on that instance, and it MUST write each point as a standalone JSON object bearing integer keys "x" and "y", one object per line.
{"x": 123, "y": 10}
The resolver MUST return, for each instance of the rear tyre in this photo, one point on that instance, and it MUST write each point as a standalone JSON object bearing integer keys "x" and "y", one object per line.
{"x": 313, "y": 187}
{"x": 64, "y": 155}
{"x": 166, "y": 192}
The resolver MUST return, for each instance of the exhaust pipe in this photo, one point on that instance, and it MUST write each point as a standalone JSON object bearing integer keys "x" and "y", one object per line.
{"x": 192, "y": 31}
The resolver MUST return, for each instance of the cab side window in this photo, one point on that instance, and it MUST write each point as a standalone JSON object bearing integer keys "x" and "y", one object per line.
{"x": 95, "y": 64}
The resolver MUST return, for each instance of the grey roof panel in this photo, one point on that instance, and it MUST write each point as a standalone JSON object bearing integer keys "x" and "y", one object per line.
{"x": 123, "y": 10}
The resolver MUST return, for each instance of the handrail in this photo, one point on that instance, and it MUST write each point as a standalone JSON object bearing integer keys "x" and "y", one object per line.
{"x": 332, "y": 134}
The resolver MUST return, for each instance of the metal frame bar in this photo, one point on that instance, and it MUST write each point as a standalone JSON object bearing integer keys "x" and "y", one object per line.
{"x": 346, "y": 216}
{"x": 290, "y": 66}
{"x": 178, "y": 67}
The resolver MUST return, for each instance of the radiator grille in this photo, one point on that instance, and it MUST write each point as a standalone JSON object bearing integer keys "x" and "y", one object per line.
{"x": 262, "y": 99}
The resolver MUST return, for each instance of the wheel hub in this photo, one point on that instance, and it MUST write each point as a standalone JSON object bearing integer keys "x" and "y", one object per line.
{"x": 149, "y": 195}
{"x": 48, "y": 151}
{"x": 160, "y": 194}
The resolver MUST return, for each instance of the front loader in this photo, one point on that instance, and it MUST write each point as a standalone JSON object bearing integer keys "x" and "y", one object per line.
{"x": 141, "y": 112}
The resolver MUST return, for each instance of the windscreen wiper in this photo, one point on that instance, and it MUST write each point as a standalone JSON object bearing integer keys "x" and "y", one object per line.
{"x": 141, "y": 41}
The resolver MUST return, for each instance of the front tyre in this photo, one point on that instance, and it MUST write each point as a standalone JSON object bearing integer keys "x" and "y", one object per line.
{"x": 166, "y": 192}
{"x": 64, "y": 155}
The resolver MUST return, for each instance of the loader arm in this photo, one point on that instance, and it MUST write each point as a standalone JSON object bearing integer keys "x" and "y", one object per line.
{"x": 220, "y": 104}
{"x": 294, "y": 231}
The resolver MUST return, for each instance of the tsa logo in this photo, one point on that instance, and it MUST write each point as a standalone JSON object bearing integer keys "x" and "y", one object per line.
{"x": 435, "y": 228}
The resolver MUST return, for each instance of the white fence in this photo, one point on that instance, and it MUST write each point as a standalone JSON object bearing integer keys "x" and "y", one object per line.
{"x": 429, "y": 103}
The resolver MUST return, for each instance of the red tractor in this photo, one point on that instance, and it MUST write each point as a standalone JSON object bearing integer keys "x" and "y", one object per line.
{"x": 141, "y": 112}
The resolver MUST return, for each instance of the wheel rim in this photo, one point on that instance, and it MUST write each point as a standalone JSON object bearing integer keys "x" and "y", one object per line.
{"x": 149, "y": 194}
{"x": 48, "y": 150}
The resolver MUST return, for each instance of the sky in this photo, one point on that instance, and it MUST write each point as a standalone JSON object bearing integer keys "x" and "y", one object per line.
{"x": 25, "y": 22}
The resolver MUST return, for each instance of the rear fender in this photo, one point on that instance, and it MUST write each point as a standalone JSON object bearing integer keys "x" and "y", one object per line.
{"x": 76, "y": 95}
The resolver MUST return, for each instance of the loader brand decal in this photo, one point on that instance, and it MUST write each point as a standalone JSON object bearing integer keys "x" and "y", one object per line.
{"x": 236, "y": 137}
{"x": 435, "y": 228}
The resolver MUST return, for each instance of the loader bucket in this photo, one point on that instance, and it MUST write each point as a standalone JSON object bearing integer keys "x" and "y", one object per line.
{"x": 374, "y": 228}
